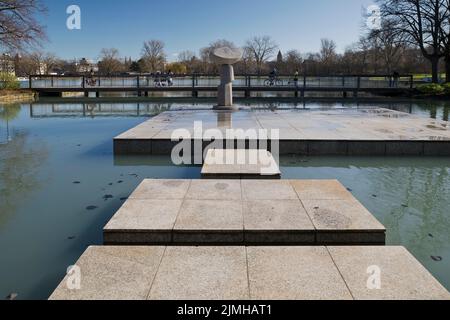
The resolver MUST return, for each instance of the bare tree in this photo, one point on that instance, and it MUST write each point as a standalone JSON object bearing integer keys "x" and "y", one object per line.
{"x": 389, "y": 45}
{"x": 186, "y": 56}
{"x": 109, "y": 61}
{"x": 18, "y": 24}
{"x": 262, "y": 49}
{"x": 420, "y": 23}
{"x": 328, "y": 55}
{"x": 205, "y": 54}
{"x": 293, "y": 61}
{"x": 37, "y": 62}
{"x": 153, "y": 55}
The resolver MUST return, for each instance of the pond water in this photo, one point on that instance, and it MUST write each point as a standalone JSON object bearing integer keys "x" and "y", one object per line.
{"x": 60, "y": 183}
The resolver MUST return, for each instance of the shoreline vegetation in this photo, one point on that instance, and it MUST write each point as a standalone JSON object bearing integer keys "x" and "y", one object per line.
{"x": 10, "y": 96}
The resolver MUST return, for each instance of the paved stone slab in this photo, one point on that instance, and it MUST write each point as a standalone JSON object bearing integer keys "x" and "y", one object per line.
{"x": 113, "y": 273}
{"x": 215, "y": 190}
{"x": 362, "y": 131}
{"x": 321, "y": 190}
{"x": 143, "y": 222}
{"x": 402, "y": 276}
{"x": 236, "y": 212}
{"x": 344, "y": 222}
{"x": 242, "y": 273}
{"x": 209, "y": 221}
{"x": 268, "y": 190}
{"x": 202, "y": 273}
{"x": 161, "y": 189}
{"x": 277, "y": 221}
{"x": 294, "y": 273}
{"x": 240, "y": 164}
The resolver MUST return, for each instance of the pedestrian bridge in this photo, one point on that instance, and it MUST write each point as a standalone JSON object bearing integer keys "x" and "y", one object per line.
{"x": 247, "y": 84}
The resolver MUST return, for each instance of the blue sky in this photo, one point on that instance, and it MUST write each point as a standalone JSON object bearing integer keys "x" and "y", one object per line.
{"x": 192, "y": 24}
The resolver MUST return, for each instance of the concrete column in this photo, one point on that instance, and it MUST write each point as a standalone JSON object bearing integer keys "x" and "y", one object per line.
{"x": 225, "y": 90}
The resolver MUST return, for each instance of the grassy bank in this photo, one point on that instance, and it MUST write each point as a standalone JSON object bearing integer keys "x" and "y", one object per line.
{"x": 16, "y": 95}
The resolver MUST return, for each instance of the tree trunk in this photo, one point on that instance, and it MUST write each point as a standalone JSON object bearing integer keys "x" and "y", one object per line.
{"x": 435, "y": 69}
{"x": 447, "y": 68}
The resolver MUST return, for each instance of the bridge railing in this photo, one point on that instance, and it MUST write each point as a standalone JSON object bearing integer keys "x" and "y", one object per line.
{"x": 135, "y": 82}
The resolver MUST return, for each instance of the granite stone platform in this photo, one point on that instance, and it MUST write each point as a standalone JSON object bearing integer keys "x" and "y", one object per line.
{"x": 244, "y": 273}
{"x": 237, "y": 212}
{"x": 240, "y": 164}
{"x": 349, "y": 132}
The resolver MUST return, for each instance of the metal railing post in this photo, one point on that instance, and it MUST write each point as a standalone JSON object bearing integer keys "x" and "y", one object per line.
{"x": 30, "y": 82}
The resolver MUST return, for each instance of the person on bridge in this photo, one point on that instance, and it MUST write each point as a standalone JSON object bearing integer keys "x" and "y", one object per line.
{"x": 296, "y": 75}
{"x": 273, "y": 74}
{"x": 396, "y": 78}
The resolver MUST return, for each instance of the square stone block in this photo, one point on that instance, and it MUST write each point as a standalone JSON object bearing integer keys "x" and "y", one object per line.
{"x": 320, "y": 190}
{"x": 266, "y": 215}
{"x": 366, "y": 148}
{"x": 202, "y": 273}
{"x": 243, "y": 163}
{"x": 319, "y": 148}
{"x": 268, "y": 190}
{"x": 113, "y": 273}
{"x": 151, "y": 189}
{"x": 138, "y": 214}
{"x": 341, "y": 215}
{"x": 277, "y": 222}
{"x": 209, "y": 221}
{"x": 162, "y": 147}
{"x": 136, "y": 147}
{"x": 281, "y": 238}
{"x": 137, "y": 237}
{"x": 437, "y": 149}
{"x": 401, "y": 276}
{"x": 294, "y": 273}
{"x": 214, "y": 190}
{"x": 345, "y": 237}
{"x": 297, "y": 147}
{"x": 143, "y": 222}
{"x": 404, "y": 148}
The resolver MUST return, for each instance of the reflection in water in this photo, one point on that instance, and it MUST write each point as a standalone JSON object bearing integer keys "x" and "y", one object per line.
{"x": 224, "y": 120}
{"x": 7, "y": 114}
{"x": 59, "y": 108}
{"x": 19, "y": 164}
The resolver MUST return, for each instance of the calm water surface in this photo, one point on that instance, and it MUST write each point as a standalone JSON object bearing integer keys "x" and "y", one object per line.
{"x": 56, "y": 161}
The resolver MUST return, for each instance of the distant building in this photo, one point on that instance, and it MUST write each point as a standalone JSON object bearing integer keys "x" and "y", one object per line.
{"x": 279, "y": 57}
{"x": 7, "y": 64}
{"x": 84, "y": 66}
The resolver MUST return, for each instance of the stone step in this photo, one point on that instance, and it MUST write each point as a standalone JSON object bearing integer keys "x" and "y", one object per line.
{"x": 244, "y": 273}
{"x": 237, "y": 212}
{"x": 240, "y": 164}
